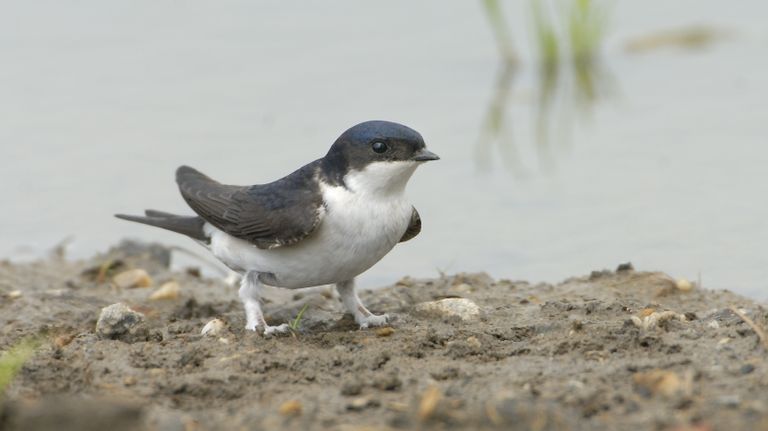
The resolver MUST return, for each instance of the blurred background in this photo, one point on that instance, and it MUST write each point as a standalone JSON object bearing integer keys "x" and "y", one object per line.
{"x": 574, "y": 134}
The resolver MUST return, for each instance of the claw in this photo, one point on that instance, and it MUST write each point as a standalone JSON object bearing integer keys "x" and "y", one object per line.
{"x": 274, "y": 330}
{"x": 372, "y": 320}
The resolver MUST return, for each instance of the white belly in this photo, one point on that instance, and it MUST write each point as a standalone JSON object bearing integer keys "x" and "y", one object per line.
{"x": 355, "y": 233}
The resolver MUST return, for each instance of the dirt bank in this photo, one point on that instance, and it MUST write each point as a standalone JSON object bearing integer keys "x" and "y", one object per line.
{"x": 612, "y": 350}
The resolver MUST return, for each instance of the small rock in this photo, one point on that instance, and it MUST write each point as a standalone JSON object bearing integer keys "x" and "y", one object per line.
{"x": 662, "y": 382}
{"x": 361, "y": 403}
{"x": 132, "y": 278}
{"x": 652, "y": 319}
{"x": 385, "y": 332}
{"x": 746, "y": 368}
{"x": 63, "y": 340}
{"x": 351, "y": 389}
{"x": 388, "y": 383}
{"x": 460, "y": 307}
{"x": 625, "y": 267}
{"x": 119, "y": 322}
{"x": 169, "y": 290}
{"x": 290, "y": 408}
{"x": 731, "y": 401}
{"x": 429, "y": 402}
{"x": 713, "y": 324}
{"x": 129, "y": 381}
{"x": 463, "y": 288}
{"x": 214, "y": 328}
{"x": 473, "y": 342}
{"x": 14, "y": 294}
{"x": 683, "y": 285}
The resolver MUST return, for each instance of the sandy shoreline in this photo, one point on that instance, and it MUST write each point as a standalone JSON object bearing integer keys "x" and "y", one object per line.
{"x": 610, "y": 350}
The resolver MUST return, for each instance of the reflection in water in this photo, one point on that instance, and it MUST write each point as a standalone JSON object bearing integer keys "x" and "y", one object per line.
{"x": 694, "y": 37}
{"x": 495, "y": 128}
{"x": 570, "y": 78}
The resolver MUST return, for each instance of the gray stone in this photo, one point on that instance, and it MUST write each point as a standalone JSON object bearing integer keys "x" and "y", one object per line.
{"x": 119, "y": 322}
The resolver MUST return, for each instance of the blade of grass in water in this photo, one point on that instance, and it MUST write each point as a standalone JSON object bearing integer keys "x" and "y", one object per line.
{"x": 546, "y": 39}
{"x": 500, "y": 30}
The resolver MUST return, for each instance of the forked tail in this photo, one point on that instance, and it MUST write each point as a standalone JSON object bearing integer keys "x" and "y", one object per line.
{"x": 191, "y": 226}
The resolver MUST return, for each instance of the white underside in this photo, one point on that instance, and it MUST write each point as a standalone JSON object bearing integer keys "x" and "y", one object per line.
{"x": 362, "y": 224}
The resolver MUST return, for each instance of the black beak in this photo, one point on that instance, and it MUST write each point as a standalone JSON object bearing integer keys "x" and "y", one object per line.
{"x": 424, "y": 155}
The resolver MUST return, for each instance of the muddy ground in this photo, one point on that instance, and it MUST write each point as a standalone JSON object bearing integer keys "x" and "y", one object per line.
{"x": 610, "y": 350}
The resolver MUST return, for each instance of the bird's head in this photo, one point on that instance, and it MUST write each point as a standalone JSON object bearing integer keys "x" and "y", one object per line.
{"x": 377, "y": 156}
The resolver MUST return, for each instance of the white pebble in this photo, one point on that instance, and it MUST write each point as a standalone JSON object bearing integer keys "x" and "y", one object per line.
{"x": 213, "y": 328}
{"x": 169, "y": 290}
{"x": 461, "y": 307}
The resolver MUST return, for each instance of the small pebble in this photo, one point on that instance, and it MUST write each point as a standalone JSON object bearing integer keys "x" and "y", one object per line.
{"x": 169, "y": 290}
{"x": 660, "y": 382}
{"x": 473, "y": 342}
{"x": 213, "y": 328}
{"x": 429, "y": 402}
{"x": 713, "y": 324}
{"x": 683, "y": 285}
{"x": 290, "y": 408}
{"x": 731, "y": 401}
{"x": 746, "y": 368}
{"x": 63, "y": 340}
{"x": 351, "y": 389}
{"x": 463, "y": 288}
{"x": 385, "y": 332}
{"x": 361, "y": 403}
{"x": 129, "y": 381}
{"x": 14, "y": 294}
{"x": 132, "y": 278}
{"x": 460, "y": 307}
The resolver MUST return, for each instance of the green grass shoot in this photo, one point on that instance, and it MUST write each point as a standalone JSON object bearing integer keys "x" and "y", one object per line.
{"x": 295, "y": 324}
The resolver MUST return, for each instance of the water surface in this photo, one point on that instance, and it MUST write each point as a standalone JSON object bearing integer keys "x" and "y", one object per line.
{"x": 100, "y": 102}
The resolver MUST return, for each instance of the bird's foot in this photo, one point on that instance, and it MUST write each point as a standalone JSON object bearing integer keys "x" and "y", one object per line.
{"x": 268, "y": 330}
{"x": 275, "y": 330}
{"x": 371, "y": 320}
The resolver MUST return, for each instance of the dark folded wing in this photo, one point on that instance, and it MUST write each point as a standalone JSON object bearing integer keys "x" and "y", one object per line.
{"x": 270, "y": 215}
{"x": 414, "y": 227}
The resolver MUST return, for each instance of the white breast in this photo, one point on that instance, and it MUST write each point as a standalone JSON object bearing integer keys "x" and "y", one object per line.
{"x": 362, "y": 223}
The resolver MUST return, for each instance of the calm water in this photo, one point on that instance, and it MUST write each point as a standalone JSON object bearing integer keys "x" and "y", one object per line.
{"x": 101, "y": 101}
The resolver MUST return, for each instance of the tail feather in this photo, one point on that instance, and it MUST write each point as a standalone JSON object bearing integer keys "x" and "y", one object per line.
{"x": 156, "y": 213}
{"x": 190, "y": 226}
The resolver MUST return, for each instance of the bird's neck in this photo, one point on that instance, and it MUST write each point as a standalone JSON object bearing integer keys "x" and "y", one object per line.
{"x": 381, "y": 179}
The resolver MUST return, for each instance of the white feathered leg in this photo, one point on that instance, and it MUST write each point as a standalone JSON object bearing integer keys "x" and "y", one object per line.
{"x": 250, "y": 294}
{"x": 351, "y": 301}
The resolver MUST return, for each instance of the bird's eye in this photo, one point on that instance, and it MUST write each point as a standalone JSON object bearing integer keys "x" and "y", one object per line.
{"x": 379, "y": 147}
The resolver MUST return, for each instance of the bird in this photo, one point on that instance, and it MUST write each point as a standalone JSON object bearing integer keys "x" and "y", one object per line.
{"x": 325, "y": 223}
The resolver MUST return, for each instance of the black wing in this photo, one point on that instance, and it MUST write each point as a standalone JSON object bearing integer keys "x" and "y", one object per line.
{"x": 414, "y": 227}
{"x": 270, "y": 215}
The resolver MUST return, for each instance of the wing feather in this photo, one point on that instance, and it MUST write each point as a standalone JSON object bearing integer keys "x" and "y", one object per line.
{"x": 271, "y": 215}
{"x": 414, "y": 227}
